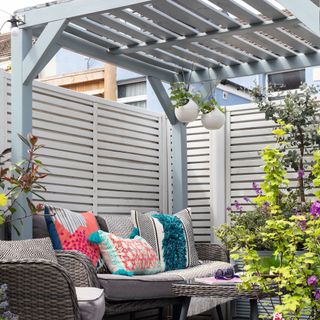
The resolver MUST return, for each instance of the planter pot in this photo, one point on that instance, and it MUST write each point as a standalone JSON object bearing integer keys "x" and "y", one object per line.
{"x": 213, "y": 120}
{"x": 187, "y": 113}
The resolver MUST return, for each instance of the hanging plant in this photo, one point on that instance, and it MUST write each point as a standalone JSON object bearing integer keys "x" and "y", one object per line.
{"x": 185, "y": 108}
{"x": 212, "y": 114}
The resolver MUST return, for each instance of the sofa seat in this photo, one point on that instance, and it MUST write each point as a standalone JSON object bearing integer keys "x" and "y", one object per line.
{"x": 91, "y": 303}
{"x": 157, "y": 286}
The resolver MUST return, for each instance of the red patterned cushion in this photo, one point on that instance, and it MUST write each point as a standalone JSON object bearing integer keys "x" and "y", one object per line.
{"x": 70, "y": 231}
{"x": 126, "y": 256}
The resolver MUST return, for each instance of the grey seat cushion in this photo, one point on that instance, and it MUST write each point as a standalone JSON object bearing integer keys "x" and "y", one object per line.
{"x": 121, "y": 288}
{"x": 91, "y": 303}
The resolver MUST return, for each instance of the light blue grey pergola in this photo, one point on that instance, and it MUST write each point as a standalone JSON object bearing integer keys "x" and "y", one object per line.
{"x": 166, "y": 40}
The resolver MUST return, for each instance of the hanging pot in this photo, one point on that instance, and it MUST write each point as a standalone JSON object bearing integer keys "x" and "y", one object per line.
{"x": 187, "y": 113}
{"x": 213, "y": 120}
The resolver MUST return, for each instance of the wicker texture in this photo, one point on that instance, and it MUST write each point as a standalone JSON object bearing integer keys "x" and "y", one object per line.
{"x": 212, "y": 252}
{"x": 79, "y": 268}
{"x": 39, "y": 289}
{"x": 221, "y": 291}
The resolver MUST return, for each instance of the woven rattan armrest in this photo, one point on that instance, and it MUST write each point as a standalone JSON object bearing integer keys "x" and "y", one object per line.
{"x": 39, "y": 289}
{"x": 211, "y": 251}
{"x": 79, "y": 268}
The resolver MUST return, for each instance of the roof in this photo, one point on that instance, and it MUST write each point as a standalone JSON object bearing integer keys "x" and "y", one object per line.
{"x": 5, "y": 47}
{"x": 214, "y": 38}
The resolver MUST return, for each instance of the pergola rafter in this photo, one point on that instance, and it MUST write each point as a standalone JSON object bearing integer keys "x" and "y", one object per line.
{"x": 166, "y": 40}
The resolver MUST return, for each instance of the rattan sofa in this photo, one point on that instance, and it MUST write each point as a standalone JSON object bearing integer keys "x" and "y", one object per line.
{"x": 42, "y": 288}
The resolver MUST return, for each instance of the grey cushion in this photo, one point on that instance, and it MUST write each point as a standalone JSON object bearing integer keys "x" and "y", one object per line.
{"x": 120, "y": 225}
{"x": 28, "y": 249}
{"x": 117, "y": 287}
{"x": 39, "y": 227}
{"x": 91, "y": 303}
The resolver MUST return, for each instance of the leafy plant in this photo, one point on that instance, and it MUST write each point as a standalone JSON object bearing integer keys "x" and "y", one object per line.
{"x": 292, "y": 225}
{"x": 23, "y": 177}
{"x": 180, "y": 94}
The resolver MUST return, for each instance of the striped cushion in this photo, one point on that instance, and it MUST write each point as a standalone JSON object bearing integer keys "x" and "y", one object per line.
{"x": 70, "y": 231}
{"x": 171, "y": 236}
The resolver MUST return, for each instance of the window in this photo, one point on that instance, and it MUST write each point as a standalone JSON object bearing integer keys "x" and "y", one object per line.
{"x": 133, "y": 92}
{"x": 287, "y": 80}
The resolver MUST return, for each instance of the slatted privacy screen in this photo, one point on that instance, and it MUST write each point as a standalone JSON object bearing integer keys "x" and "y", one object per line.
{"x": 199, "y": 142}
{"x": 102, "y": 156}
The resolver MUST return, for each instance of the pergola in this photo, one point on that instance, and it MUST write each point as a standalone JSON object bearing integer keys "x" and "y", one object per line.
{"x": 166, "y": 40}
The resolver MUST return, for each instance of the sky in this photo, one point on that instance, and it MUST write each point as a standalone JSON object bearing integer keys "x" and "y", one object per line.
{"x": 12, "y": 5}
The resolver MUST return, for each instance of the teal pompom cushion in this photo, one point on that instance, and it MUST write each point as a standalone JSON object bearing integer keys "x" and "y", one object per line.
{"x": 171, "y": 237}
{"x": 126, "y": 256}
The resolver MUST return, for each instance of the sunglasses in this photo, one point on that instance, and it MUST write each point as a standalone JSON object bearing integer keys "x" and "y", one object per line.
{"x": 225, "y": 274}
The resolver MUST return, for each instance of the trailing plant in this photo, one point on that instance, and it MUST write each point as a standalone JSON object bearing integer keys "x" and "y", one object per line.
{"x": 180, "y": 94}
{"x": 23, "y": 177}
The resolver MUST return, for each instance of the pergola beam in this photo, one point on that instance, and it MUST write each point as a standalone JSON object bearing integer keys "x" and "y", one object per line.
{"x": 264, "y": 66}
{"x": 43, "y": 50}
{"x": 307, "y": 12}
{"x": 163, "y": 98}
{"x": 71, "y": 9}
{"x": 83, "y": 47}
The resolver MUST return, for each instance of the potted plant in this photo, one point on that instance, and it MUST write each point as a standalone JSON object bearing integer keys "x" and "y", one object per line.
{"x": 212, "y": 114}
{"x": 185, "y": 108}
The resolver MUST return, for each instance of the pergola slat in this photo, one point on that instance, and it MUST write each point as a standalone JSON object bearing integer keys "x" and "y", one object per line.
{"x": 144, "y": 24}
{"x": 184, "y": 15}
{"x": 155, "y": 61}
{"x": 104, "y": 32}
{"x": 304, "y": 33}
{"x": 239, "y": 11}
{"x": 267, "y": 9}
{"x": 182, "y": 52}
{"x": 110, "y": 22}
{"x": 254, "y": 49}
{"x": 165, "y": 20}
{"x": 207, "y": 52}
{"x": 292, "y": 41}
{"x": 274, "y": 47}
{"x": 86, "y": 35}
{"x": 206, "y": 11}
{"x": 224, "y": 48}
{"x": 174, "y": 59}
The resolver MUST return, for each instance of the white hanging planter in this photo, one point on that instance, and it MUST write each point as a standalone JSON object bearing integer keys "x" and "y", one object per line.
{"x": 187, "y": 113}
{"x": 213, "y": 120}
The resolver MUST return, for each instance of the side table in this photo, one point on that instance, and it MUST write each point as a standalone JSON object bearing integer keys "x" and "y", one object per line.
{"x": 188, "y": 289}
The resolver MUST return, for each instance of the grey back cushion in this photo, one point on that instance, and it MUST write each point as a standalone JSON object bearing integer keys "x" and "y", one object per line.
{"x": 34, "y": 249}
{"x": 120, "y": 225}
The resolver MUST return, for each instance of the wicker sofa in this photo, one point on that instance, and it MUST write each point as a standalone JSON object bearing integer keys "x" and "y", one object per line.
{"x": 30, "y": 282}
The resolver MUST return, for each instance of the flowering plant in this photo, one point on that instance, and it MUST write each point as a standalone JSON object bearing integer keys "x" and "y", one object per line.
{"x": 4, "y": 313}
{"x": 292, "y": 224}
{"x": 21, "y": 179}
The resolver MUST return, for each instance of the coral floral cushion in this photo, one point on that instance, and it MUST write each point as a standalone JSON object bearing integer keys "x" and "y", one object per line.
{"x": 70, "y": 231}
{"x": 126, "y": 256}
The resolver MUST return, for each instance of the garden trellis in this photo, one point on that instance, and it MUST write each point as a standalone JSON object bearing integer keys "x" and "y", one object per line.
{"x": 165, "y": 40}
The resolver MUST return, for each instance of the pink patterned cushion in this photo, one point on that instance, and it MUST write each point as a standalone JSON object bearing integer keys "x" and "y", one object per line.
{"x": 126, "y": 256}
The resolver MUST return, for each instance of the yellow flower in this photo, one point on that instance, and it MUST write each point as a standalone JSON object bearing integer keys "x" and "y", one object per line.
{"x": 279, "y": 132}
{"x": 3, "y": 200}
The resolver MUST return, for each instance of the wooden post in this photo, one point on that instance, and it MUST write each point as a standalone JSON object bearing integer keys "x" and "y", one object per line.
{"x": 110, "y": 82}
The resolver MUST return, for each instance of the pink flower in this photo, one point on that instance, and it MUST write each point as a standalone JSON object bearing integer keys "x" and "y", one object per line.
{"x": 277, "y": 316}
